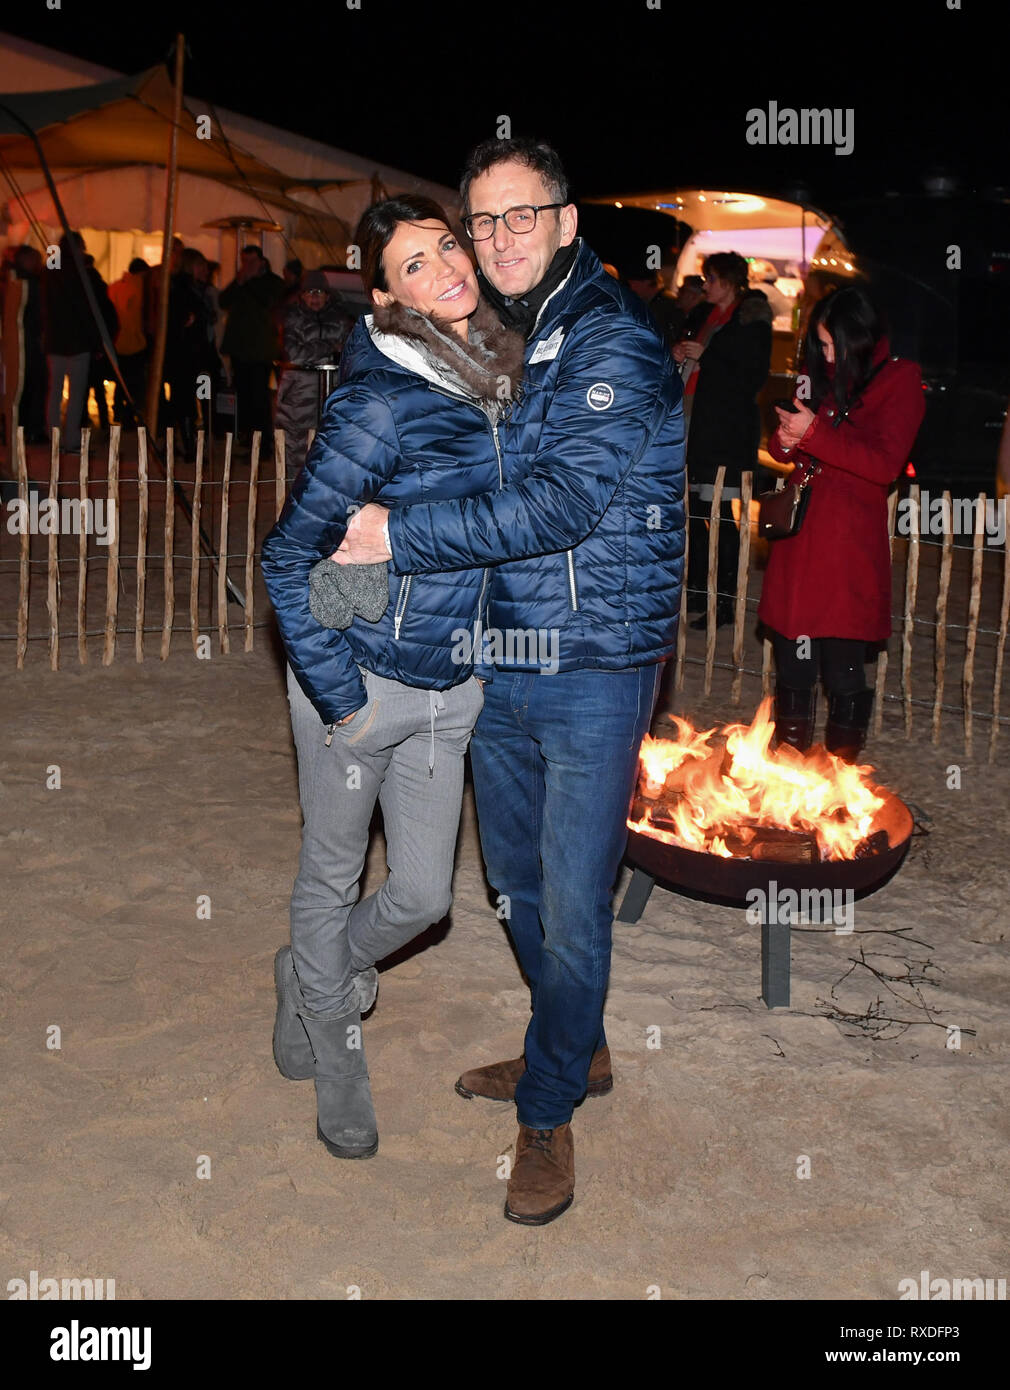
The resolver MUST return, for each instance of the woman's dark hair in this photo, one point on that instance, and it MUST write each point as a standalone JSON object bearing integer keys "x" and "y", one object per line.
{"x": 855, "y": 326}
{"x": 729, "y": 266}
{"x": 376, "y": 228}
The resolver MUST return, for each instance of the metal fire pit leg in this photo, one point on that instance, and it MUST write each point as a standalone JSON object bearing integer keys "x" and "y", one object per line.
{"x": 775, "y": 944}
{"x": 636, "y": 896}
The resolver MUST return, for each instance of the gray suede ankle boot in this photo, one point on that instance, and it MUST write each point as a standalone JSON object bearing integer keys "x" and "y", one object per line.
{"x": 345, "y": 1115}
{"x": 292, "y": 1050}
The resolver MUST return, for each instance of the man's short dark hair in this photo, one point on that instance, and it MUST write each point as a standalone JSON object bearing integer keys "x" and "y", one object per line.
{"x": 252, "y": 250}
{"x": 535, "y": 154}
{"x": 138, "y": 266}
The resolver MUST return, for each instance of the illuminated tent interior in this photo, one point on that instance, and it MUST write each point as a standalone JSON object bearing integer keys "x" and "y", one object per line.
{"x": 785, "y": 241}
{"x": 107, "y": 145}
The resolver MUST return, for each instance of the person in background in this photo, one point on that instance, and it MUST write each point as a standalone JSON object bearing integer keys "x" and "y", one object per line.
{"x": 154, "y": 287}
{"x": 314, "y": 330}
{"x": 71, "y": 335}
{"x": 27, "y": 267}
{"x": 129, "y": 296}
{"x": 827, "y": 588}
{"x": 762, "y": 276}
{"x": 650, "y": 287}
{"x": 99, "y": 369}
{"x": 212, "y": 299}
{"x": 251, "y": 339}
{"x": 292, "y": 276}
{"x": 681, "y": 310}
{"x": 728, "y": 362}
{"x": 209, "y": 362}
{"x": 185, "y": 348}
{"x": 691, "y": 294}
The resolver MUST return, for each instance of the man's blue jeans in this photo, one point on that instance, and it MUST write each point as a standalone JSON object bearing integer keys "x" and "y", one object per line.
{"x": 555, "y": 760}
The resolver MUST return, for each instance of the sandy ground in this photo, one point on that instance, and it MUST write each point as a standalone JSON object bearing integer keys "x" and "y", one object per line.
{"x": 178, "y": 780}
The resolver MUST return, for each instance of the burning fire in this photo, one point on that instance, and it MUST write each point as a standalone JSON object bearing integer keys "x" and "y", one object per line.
{"x": 715, "y": 790}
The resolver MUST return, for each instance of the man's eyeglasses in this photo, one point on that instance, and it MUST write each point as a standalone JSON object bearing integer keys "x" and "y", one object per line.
{"x": 480, "y": 225}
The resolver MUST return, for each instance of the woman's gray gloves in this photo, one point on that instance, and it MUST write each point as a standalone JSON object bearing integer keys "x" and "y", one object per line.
{"x": 340, "y": 593}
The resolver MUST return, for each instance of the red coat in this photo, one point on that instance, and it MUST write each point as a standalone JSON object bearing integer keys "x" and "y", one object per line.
{"x": 833, "y": 578}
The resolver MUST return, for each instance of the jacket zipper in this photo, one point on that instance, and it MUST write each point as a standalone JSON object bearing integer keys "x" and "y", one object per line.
{"x": 401, "y": 605}
{"x": 497, "y": 449}
{"x": 480, "y": 596}
{"x": 571, "y": 581}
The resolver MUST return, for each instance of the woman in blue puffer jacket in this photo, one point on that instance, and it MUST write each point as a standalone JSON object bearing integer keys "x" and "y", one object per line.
{"x": 382, "y": 707}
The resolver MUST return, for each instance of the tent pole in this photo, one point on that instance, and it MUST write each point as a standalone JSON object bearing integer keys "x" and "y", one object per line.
{"x": 155, "y": 389}
{"x": 103, "y": 333}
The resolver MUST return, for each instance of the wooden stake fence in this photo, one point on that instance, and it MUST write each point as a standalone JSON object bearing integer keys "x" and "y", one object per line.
{"x": 1004, "y": 617}
{"x": 742, "y": 576}
{"x": 878, "y": 694}
{"x": 53, "y": 576}
{"x": 974, "y": 605}
{"x": 82, "y": 553}
{"x": 911, "y": 591}
{"x": 714, "y": 598}
{"x": 168, "y": 618}
{"x": 142, "y": 542}
{"x": 737, "y": 648}
{"x": 250, "y": 539}
{"x": 194, "y": 551}
{"x": 24, "y": 549}
{"x": 222, "y": 556}
{"x": 942, "y": 593}
{"x": 112, "y": 573}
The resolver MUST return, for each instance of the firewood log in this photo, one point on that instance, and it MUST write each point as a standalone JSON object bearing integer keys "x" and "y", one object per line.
{"x": 784, "y": 846}
{"x": 873, "y": 844}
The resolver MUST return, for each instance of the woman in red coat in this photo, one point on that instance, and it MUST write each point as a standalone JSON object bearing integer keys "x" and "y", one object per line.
{"x": 827, "y": 589}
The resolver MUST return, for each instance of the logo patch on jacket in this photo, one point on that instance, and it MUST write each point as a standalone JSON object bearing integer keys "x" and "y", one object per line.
{"x": 547, "y": 349}
{"x": 600, "y": 395}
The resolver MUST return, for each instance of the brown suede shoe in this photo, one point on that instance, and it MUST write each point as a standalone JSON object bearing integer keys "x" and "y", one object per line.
{"x": 542, "y": 1184}
{"x": 498, "y": 1080}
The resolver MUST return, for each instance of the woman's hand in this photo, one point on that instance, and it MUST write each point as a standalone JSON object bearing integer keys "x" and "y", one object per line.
{"x": 793, "y": 425}
{"x": 689, "y": 348}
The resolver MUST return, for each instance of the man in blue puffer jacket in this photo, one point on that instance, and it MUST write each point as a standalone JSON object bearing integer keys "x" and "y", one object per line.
{"x": 587, "y": 540}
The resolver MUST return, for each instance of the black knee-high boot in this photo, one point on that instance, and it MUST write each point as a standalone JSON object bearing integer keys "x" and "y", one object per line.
{"x": 848, "y": 721}
{"x": 795, "y": 712}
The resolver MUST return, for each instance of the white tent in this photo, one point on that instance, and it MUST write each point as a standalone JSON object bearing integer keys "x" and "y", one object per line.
{"x": 112, "y": 180}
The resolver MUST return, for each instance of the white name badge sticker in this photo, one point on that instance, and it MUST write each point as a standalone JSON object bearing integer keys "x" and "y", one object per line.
{"x": 547, "y": 349}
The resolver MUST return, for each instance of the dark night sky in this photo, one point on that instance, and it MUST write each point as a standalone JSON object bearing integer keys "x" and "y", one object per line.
{"x": 633, "y": 98}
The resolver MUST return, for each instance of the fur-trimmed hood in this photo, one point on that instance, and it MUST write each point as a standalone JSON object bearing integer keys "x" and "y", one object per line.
{"x": 489, "y": 366}
{"x": 754, "y": 308}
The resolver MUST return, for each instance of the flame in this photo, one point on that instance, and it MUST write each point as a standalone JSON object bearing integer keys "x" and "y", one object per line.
{"x": 729, "y": 786}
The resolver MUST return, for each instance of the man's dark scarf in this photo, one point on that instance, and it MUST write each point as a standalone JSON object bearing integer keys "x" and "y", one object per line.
{"x": 521, "y": 314}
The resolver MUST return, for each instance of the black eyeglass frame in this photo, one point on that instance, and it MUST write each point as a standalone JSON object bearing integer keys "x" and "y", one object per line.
{"x": 535, "y": 208}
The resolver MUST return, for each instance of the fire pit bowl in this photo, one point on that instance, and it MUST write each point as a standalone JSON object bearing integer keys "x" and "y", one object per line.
{"x": 733, "y": 879}
{"x": 728, "y": 817}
